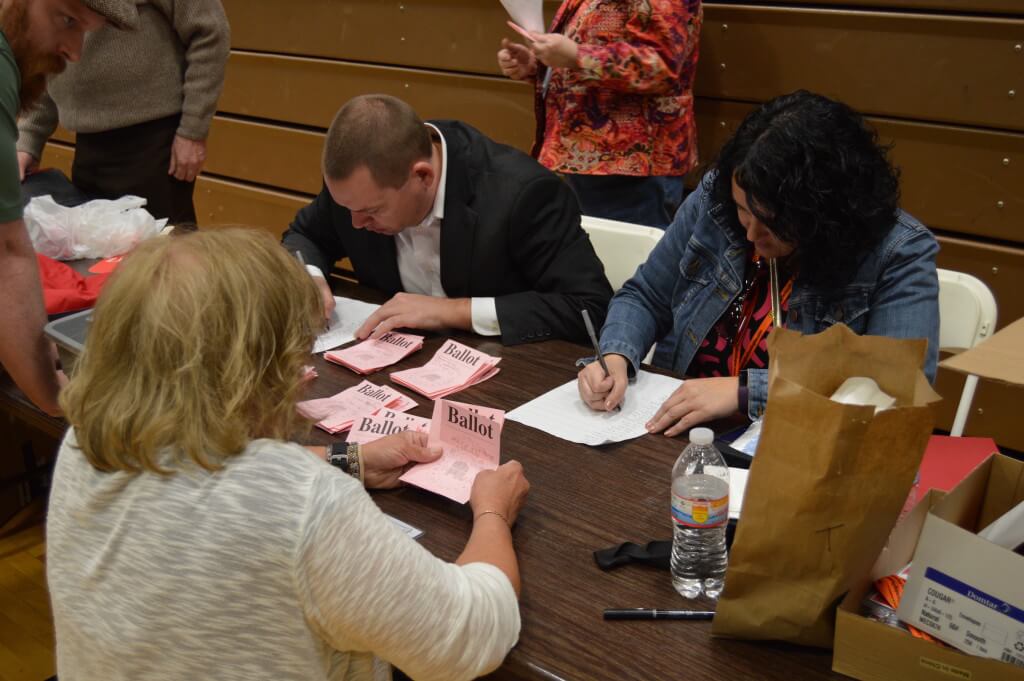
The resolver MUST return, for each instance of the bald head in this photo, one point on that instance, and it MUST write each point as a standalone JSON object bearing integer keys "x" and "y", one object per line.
{"x": 380, "y": 132}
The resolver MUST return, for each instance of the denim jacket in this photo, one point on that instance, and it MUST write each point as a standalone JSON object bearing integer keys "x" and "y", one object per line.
{"x": 696, "y": 270}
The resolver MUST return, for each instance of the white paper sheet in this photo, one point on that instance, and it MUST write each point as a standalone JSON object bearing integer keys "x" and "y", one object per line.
{"x": 747, "y": 442}
{"x": 527, "y": 13}
{"x": 737, "y": 486}
{"x": 413, "y": 532}
{"x": 563, "y": 414}
{"x": 348, "y": 316}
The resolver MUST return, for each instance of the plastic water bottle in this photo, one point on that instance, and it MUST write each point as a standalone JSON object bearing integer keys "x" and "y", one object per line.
{"x": 700, "y": 511}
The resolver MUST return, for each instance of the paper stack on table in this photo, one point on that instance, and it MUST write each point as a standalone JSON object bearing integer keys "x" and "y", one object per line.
{"x": 452, "y": 368}
{"x": 370, "y": 355}
{"x": 383, "y": 423}
{"x": 563, "y": 414}
{"x": 335, "y": 414}
{"x": 470, "y": 437}
{"x": 348, "y": 316}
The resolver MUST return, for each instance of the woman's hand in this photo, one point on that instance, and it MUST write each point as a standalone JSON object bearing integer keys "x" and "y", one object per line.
{"x": 697, "y": 400}
{"x": 502, "y": 490}
{"x": 600, "y": 391}
{"x": 555, "y": 50}
{"x": 516, "y": 61}
{"x": 386, "y": 459}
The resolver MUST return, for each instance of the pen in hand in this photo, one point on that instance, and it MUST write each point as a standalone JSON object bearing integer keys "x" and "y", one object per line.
{"x": 597, "y": 347}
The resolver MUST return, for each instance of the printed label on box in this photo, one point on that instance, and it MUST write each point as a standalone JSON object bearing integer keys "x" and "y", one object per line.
{"x": 970, "y": 619}
{"x": 935, "y": 665}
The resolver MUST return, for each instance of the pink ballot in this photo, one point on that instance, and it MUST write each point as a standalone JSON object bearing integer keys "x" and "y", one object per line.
{"x": 370, "y": 355}
{"x": 335, "y": 414}
{"x": 385, "y": 422}
{"x": 403, "y": 403}
{"x": 470, "y": 438}
{"x": 452, "y": 368}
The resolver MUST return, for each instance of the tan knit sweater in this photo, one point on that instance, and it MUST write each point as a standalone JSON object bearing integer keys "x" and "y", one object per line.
{"x": 173, "y": 63}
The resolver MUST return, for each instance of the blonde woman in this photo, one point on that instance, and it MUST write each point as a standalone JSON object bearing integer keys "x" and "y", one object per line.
{"x": 187, "y": 538}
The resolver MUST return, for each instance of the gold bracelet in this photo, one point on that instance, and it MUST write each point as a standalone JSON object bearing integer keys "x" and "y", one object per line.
{"x": 497, "y": 513}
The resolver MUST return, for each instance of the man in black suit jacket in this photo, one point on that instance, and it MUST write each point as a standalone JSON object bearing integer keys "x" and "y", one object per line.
{"x": 463, "y": 232}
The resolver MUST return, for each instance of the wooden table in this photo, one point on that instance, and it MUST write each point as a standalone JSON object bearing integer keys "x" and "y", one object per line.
{"x": 582, "y": 498}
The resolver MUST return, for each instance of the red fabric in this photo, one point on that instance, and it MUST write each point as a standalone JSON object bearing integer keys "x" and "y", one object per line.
{"x": 65, "y": 290}
{"x": 107, "y": 265}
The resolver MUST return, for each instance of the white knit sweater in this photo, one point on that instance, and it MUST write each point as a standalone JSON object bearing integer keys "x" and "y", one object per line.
{"x": 276, "y": 567}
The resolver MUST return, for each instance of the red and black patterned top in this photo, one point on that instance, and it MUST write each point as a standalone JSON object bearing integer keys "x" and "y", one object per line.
{"x": 628, "y": 107}
{"x": 739, "y": 339}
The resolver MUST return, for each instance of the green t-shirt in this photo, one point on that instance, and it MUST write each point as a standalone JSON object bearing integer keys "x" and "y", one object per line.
{"x": 10, "y": 182}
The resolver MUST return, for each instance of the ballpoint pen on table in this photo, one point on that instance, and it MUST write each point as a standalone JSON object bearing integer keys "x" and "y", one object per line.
{"x": 597, "y": 347}
{"x": 654, "y": 614}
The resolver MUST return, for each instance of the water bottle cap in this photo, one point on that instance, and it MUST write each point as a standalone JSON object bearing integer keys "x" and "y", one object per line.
{"x": 702, "y": 436}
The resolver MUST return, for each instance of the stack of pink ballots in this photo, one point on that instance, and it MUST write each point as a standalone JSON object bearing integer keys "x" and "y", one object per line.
{"x": 470, "y": 437}
{"x": 370, "y": 355}
{"x": 383, "y": 423}
{"x": 451, "y": 369}
{"x": 336, "y": 414}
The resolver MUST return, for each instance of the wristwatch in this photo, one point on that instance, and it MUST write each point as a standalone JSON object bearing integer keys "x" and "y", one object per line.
{"x": 346, "y": 457}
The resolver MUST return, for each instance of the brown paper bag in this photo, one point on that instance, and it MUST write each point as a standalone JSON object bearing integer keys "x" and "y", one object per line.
{"x": 826, "y": 485}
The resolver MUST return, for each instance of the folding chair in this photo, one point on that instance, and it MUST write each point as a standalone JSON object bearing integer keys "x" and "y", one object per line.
{"x": 620, "y": 246}
{"x": 967, "y": 314}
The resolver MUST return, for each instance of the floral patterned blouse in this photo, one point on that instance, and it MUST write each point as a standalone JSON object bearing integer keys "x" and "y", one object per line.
{"x": 628, "y": 107}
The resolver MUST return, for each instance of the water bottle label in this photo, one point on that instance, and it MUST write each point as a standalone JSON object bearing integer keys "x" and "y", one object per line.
{"x": 700, "y": 512}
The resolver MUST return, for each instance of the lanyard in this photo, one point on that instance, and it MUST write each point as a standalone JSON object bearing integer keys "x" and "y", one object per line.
{"x": 741, "y": 354}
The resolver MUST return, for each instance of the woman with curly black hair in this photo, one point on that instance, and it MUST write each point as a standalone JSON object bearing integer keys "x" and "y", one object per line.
{"x": 803, "y": 182}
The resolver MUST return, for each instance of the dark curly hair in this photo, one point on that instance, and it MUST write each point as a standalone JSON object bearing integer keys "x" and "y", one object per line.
{"x": 817, "y": 177}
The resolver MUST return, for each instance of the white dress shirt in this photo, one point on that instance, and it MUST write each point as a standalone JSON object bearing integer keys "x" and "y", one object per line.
{"x": 419, "y": 257}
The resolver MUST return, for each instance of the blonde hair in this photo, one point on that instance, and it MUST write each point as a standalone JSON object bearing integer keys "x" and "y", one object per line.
{"x": 197, "y": 345}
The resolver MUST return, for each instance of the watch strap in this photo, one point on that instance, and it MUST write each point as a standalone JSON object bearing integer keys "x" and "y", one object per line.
{"x": 346, "y": 457}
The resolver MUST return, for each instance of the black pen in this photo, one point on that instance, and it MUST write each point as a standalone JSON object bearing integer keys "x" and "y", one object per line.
{"x": 597, "y": 346}
{"x": 652, "y": 614}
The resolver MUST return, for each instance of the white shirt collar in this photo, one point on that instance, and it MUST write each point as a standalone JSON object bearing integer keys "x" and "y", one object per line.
{"x": 436, "y": 213}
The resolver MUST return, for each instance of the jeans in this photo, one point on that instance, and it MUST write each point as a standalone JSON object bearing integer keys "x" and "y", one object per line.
{"x": 650, "y": 201}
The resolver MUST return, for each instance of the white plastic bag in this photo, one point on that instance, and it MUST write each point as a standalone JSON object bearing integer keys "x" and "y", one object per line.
{"x": 96, "y": 229}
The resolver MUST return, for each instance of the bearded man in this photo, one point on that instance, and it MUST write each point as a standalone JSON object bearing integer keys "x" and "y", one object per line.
{"x": 140, "y": 106}
{"x": 37, "y": 39}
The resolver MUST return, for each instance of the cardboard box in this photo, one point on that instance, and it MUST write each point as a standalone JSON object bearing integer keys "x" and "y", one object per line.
{"x": 873, "y": 651}
{"x": 963, "y": 589}
{"x": 1000, "y": 358}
